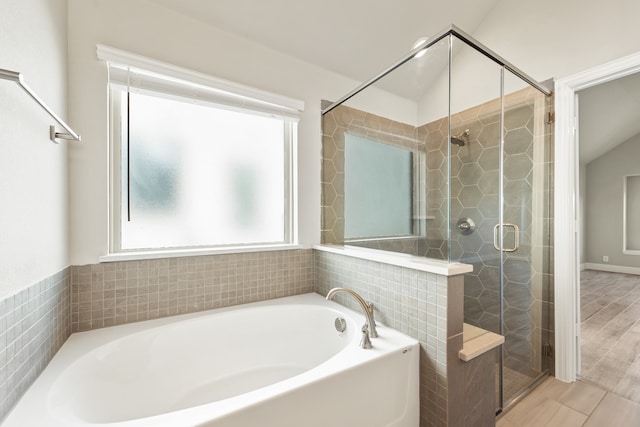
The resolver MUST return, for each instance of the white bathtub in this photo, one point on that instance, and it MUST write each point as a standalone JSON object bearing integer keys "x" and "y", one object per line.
{"x": 277, "y": 363}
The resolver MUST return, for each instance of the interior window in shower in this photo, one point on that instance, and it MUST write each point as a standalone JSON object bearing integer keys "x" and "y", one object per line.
{"x": 378, "y": 189}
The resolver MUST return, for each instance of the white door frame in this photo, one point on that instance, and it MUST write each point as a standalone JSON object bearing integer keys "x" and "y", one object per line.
{"x": 566, "y": 249}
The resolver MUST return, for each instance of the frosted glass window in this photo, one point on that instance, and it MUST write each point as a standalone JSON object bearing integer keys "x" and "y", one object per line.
{"x": 632, "y": 215}
{"x": 196, "y": 175}
{"x": 378, "y": 188}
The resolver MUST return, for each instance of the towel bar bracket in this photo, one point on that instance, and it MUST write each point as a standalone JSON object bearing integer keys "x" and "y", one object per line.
{"x": 53, "y": 135}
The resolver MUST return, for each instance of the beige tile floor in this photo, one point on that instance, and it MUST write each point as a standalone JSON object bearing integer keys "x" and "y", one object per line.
{"x": 610, "y": 332}
{"x": 608, "y": 393}
{"x": 557, "y": 404}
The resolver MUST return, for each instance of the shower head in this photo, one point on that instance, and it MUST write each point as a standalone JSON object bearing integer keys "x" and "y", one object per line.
{"x": 457, "y": 141}
{"x": 460, "y": 140}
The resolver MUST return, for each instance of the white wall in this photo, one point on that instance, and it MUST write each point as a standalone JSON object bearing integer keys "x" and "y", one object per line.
{"x": 544, "y": 38}
{"x": 146, "y": 29}
{"x": 33, "y": 170}
{"x": 604, "y": 203}
{"x": 550, "y": 38}
{"x": 475, "y": 80}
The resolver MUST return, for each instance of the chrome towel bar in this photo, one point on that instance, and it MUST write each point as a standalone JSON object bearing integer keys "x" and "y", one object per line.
{"x": 53, "y": 135}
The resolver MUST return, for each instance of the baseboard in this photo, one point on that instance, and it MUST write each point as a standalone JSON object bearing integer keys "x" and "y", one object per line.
{"x": 612, "y": 268}
{"x": 583, "y": 267}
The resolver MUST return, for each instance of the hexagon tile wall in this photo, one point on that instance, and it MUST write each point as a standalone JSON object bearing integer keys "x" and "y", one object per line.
{"x": 474, "y": 193}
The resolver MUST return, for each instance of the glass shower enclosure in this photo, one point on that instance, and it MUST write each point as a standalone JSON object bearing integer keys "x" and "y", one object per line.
{"x": 448, "y": 155}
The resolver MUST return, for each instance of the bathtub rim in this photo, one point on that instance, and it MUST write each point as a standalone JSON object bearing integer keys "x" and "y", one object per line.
{"x": 37, "y": 394}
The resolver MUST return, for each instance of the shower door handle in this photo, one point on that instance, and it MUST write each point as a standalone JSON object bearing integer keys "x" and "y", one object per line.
{"x": 516, "y": 239}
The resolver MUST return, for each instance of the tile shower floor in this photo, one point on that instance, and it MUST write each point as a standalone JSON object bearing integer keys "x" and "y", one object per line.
{"x": 610, "y": 327}
{"x": 514, "y": 382}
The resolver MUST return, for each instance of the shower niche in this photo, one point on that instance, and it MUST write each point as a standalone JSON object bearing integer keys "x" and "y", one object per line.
{"x": 448, "y": 155}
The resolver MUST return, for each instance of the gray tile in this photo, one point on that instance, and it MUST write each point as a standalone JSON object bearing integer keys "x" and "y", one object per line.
{"x": 480, "y": 390}
{"x": 588, "y": 331}
{"x": 604, "y": 316}
{"x": 402, "y": 296}
{"x": 618, "y": 324}
{"x": 627, "y": 349}
{"x": 185, "y": 281}
{"x": 629, "y": 387}
{"x": 590, "y": 308}
{"x": 608, "y": 372}
{"x": 455, "y": 381}
{"x": 610, "y": 330}
{"x": 36, "y": 324}
{"x": 455, "y": 305}
{"x": 594, "y": 349}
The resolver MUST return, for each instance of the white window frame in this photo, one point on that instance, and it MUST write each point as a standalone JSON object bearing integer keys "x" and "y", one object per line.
{"x": 172, "y": 81}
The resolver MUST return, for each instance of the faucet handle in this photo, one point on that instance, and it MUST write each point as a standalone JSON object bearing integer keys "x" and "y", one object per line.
{"x": 374, "y": 332}
{"x": 365, "y": 342}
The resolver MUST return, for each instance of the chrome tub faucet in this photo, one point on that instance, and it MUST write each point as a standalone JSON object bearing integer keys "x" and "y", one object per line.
{"x": 369, "y": 329}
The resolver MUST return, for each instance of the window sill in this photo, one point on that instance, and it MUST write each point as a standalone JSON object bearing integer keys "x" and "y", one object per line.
{"x": 177, "y": 253}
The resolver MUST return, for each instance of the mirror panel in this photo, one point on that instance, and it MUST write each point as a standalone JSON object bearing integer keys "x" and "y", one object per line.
{"x": 631, "y": 215}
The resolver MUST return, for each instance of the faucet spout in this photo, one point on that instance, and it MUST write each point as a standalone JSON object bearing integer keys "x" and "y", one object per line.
{"x": 367, "y": 308}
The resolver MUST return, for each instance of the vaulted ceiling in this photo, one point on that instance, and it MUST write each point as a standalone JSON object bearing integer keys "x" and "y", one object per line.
{"x": 355, "y": 38}
{"x": 609, "y": 114}
{"x": 360, "y": 38}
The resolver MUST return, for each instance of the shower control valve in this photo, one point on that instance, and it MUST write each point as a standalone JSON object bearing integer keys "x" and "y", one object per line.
{"x": 465, "y": 226}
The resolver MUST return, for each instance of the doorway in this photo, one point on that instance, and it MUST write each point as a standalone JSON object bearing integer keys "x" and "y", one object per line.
{"x": 609, "y": 153}
{"x": 566, "y": 200}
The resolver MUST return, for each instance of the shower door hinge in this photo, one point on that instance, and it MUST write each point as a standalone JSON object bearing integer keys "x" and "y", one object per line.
{"x": 551, "y": 117}
{"x": 547, "y": 350}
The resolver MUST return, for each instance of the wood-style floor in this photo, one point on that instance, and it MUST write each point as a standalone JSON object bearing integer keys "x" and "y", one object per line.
{"x": 608, "y": 393}
{"x": 610, "y": 332}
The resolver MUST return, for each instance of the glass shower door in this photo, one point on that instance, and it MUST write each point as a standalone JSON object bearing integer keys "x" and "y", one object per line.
{"x": 525, "y": 237}
{"x": 475, "y": 185}
{"x": 500, "y": 215}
